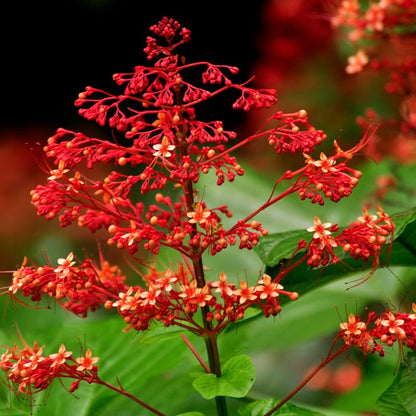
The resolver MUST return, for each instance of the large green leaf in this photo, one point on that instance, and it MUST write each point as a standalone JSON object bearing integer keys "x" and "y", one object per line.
{"x": 260, "y": 407}
{"x": 191, "y": 414}
{"x": 159, "y": 332}
{"x": 400, "y": 398}
{"x": 237, "y": 378}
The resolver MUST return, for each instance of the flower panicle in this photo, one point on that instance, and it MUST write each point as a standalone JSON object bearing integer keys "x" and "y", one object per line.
{"x": 78, "y": 288}
{"x": 329, "y": 176}
{"x": 380, "y": 331}
{"x": 28, "y": 370}
{"x": 170, "y": 297}
{"x": 165, "y": 144}
{"x": 362, "y": 239}
{"x": 174, "y": 298}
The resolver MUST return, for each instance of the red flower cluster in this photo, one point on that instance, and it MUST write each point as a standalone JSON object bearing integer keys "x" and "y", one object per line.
{"x": 31, "y": 371}
{"x": 170, "y": 297}
{"x": 326, "y": 177}
{"x": 362, "y": 239}
{"x": 387, "y": 329}
{"x": 173, "y": 300}
{"x": 383, "y": 34}
{"x": 79, "y": 289}
{"x": 165, "y": 143}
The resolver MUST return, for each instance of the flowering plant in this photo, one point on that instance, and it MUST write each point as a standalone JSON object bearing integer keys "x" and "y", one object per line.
{"x": 152, "y": 203}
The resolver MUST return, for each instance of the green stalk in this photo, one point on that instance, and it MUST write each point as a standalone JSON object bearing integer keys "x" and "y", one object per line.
{"x": 210, "y": 336}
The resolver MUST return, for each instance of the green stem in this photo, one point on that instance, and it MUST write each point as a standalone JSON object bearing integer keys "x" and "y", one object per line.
{"x": 210, "y": 333}
{"x": 196, "y": 256}
{"x": 210, "y": 339}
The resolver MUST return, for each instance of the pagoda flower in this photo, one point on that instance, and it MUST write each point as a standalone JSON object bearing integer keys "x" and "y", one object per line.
{"x": 163, "y": 149}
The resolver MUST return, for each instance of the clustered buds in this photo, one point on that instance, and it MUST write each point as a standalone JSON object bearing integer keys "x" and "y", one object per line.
{"x": 382, "y": 32}
{"x": 173, "y": 299}
{"x": 170, "y": 297}
{"x": 377, "y": 31}
{"x": 29, "y": 370}
{"x": 329, "y": 176}
{"x": 78, "y": 288}
{"x": 362, "y": 239}
{"x": 379, "y": 331}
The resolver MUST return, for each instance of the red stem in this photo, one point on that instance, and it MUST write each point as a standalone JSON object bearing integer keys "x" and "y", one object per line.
{"x": 328, "y": 359}
{"x": 120, "y": 390}
{"x": 266, "y": 205}
{"x": 195, "y": 353}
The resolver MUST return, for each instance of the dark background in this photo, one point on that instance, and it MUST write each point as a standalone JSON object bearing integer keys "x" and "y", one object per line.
{"x": 52, "y": 50}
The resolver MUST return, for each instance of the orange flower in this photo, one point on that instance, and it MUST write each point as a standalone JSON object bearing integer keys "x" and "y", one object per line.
{"x": 200, "y": 214}
{"x": 58, "y": 173}
{"x": 87, "y": 362}
{"x": 64, "y": 268}
{"x": 324, "y": 163}
{"x": 163, "y": 149}
{"x": 245, "y": 293}
{"x": 320, "y": 229}
{"x": 60, "y": 357}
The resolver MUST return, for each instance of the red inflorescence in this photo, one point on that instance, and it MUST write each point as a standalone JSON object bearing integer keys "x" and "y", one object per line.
{"x": 362, "y": 239}
{"x": 380, "y": 331}
{"x": 170, "y": 297}
{"x": 30, "y": 371}
{"x": 165, "y": 144}
{"x": 382, "y": 32}
{"x": 79, "y": 289}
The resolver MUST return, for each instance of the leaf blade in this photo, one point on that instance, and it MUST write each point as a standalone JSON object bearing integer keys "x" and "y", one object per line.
{"x": 236, "y": 380}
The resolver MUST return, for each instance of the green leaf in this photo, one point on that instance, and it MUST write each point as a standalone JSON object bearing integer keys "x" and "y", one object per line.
{"x": 260, "y": 407}
{"x": 15, "y": 412}
{"x": 402, "y": 220}
{"x": 191, "y": 414}
{"x": 159, "y": 332}
{"x": 400, "y": 399}
{"x": 275, "y": 247}
{"x": 237, "y": 378}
